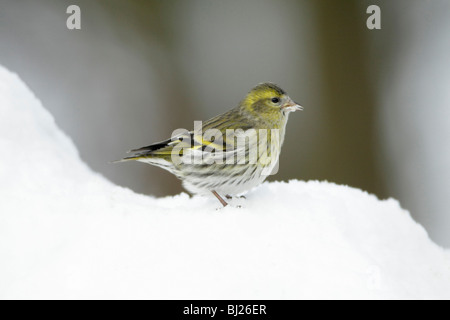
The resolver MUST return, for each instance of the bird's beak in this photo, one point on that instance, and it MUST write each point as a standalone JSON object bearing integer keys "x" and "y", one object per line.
{"x": 291, "y": 106}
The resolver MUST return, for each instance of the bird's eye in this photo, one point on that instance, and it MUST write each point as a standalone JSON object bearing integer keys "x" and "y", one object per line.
{"x": 275, "y": 100}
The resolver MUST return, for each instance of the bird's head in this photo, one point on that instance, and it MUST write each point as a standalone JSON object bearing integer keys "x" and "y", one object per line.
{"x": 269, "y": 101}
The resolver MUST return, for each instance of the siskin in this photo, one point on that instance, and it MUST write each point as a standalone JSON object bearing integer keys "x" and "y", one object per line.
{"x": 231, "y": 153}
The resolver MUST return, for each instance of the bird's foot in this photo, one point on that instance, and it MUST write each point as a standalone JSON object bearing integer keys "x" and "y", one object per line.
{"x": 232, "y": 201}
{"x": 230, "y": 197}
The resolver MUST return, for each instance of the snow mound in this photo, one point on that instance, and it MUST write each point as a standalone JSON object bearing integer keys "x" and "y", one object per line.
{"x": 67, "y": 232}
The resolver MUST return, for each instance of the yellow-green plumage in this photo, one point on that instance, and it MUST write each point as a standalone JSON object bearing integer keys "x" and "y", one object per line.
{"x": 264, "y": 108}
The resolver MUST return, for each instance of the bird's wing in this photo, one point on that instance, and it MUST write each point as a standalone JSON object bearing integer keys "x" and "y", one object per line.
{"x": 213, "y": 143}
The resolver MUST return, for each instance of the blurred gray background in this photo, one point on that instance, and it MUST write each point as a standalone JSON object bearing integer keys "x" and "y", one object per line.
{"x": 377, "y": 102}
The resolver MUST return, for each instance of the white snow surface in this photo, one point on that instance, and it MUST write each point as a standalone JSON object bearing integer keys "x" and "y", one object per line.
{"x": 68, "y": 233}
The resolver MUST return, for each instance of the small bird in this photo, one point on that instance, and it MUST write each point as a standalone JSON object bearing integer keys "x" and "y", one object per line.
{"x": 230, "y": 153}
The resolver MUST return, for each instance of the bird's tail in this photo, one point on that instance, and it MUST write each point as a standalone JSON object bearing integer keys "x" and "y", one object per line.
{"x": 132, "y": 158}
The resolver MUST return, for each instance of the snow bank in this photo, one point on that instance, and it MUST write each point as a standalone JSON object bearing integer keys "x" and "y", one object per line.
{"x": 66, "y": 232}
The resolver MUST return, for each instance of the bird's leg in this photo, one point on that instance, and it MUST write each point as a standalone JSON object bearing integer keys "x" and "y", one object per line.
{"x": 223, "y": 202}
{"x": 228, "y": 197}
